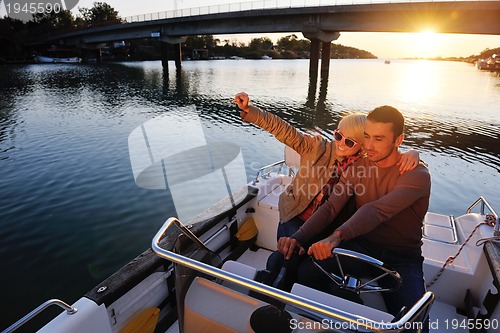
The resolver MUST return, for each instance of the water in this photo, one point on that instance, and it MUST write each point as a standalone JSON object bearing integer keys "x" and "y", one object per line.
{"x": 71, "y": 213}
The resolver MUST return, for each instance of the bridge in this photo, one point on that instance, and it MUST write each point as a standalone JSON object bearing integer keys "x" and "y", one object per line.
{"x": 320, "y": 23}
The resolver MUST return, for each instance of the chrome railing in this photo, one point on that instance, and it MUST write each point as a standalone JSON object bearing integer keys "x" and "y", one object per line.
{"x": 420, "y": 307}
{"x": 485, "y": 204}
{"x": 69, "y": 310}
{"x": 280, "y": 163}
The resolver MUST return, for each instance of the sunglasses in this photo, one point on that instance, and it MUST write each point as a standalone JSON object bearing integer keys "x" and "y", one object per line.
{"x": 339, "y": 137}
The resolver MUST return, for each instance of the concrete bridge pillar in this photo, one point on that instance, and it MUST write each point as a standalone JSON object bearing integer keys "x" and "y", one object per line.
{"x": 314, "y": 56}
{"x": 164, "y": 55}
{"x": 176, "y": 41}
{"x": 316, "y": 36}
{"x": 98, "y": 56}
{"x": 178, "y": 55}
{"x": 325, "y": 58}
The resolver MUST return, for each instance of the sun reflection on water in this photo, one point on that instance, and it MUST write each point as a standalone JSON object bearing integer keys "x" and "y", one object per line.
{"x": 419, "y": 82}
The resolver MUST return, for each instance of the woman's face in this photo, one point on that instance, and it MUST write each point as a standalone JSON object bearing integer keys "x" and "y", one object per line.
{"x": 341, "y": 147}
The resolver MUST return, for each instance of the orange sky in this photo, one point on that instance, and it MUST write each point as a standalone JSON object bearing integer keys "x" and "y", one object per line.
{"x": 405, "y": 45}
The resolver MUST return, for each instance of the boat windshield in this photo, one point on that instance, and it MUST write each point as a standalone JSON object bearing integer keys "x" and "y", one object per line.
{"x": 191, "y": 248}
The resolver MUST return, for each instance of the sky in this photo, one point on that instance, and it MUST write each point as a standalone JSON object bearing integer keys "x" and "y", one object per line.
{"x": 382, "y": 45}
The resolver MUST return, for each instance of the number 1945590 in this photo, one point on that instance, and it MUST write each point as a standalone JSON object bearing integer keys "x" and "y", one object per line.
{"x": 32, "y": 8}
{"x": 471, "y": 324}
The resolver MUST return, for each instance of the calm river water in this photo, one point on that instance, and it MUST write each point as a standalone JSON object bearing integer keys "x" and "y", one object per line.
{"x": 71, "y": 213}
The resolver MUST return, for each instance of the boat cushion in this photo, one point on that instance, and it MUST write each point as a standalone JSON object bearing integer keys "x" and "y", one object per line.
{"x": 241, "y": 270}
{"x": 340, "y": 303}
{"x": 210, "y": 307}
{"x": 143, "y": 322}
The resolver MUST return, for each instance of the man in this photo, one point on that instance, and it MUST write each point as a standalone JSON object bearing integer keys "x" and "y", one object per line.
{"x": 387, "y": 225}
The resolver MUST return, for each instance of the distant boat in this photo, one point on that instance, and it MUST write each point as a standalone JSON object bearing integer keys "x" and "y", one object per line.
{"x": 68, "y": 60}
{"x": 266, "y": 57}
{"x": 494, "y": 62}
{"x": 387, "y": 62}
{"x": 236, "y": 58}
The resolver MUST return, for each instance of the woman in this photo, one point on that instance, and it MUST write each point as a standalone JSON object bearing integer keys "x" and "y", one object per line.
{"x": 321, "y": 165}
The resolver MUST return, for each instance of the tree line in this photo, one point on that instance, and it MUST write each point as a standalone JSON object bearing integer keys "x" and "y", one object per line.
{"x": 43, "y": 25}
{"x": 287, "y": 47}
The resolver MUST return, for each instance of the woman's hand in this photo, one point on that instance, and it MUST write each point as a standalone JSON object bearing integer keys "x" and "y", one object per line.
{"x": 287, "y": 245}
{"x": 408, "y": 161}
{"x": 242, "y": 100}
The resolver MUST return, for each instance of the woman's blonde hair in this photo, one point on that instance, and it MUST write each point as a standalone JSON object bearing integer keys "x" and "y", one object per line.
{"x": 353, "y": 126}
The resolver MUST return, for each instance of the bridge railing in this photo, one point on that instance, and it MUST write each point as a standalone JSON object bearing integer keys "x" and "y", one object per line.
{"x": 225, "y": 8}
{"x": 261, "y": 4}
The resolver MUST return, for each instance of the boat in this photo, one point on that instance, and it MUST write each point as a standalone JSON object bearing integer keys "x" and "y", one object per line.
{"x": 57, "y": 60}
{"x": 494, "y": 62}
{"x": 482, "y": 64}
{"x": 387, "y": 62}
{"x": 266, "y": 57}
{"x": 204, "y": 275}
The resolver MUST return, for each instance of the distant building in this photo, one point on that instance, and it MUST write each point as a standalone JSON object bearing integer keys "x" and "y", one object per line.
{"x": 199, "y": 54}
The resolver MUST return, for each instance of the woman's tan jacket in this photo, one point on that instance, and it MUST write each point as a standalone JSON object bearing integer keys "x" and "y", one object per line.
{"x": 317, "y": 161}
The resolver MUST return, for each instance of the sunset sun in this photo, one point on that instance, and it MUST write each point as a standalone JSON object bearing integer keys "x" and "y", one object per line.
{"x": 425, "y": 44}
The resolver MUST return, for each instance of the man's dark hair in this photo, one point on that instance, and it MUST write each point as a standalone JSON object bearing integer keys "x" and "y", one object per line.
{"x": 388, "y": 114}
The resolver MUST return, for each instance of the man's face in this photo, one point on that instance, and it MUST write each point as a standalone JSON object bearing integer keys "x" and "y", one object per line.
{"x": 379, "y": 141}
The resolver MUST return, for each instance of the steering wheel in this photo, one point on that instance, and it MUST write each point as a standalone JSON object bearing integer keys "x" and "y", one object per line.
{"x": 354, "y": 284}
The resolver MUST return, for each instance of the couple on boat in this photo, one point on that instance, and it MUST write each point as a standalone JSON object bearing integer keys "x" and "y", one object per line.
{"x": 358, "y": 192}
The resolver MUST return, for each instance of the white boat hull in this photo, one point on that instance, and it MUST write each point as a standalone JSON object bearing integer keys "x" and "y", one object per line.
{"x": 52, "y": 60}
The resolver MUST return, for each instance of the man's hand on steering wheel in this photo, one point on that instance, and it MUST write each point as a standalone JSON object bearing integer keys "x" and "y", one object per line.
{"x": 323, "y": 249}
{"x": 287, "y": 245}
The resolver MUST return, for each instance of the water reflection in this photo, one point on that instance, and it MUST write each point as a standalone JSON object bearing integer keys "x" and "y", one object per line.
{"x": 12, "y": 87}
{"x": 318, "y": 114}
{"x": 176, "y": 89}
{"x": 473, "y": 144}
{"x": 311, "y": 92}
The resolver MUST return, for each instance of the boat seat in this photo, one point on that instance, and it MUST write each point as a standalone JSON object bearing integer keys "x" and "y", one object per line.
{"x": 270, "y": 188}
{"x": 212, "y": 308}
{"x": 241, "y": 270}
{"x": 340, "y": 303}
{"x": 271, "y": 200}
{"x": 292, "y": 161}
